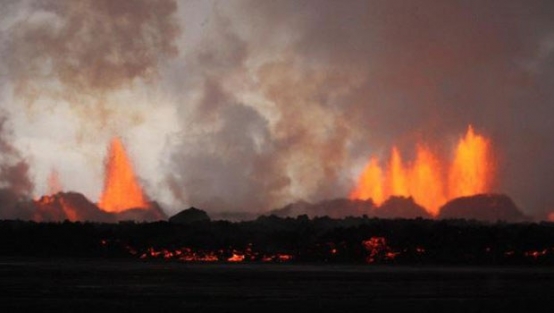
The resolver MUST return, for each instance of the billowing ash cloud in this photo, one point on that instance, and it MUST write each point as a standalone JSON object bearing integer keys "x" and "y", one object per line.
{"x": 321, "y": 85}
{"x": 254, "y": 136}
{"x": 89, "y": 47}
{"x": 13, "y": 167}
{"x": 79, "y": 71}
{"x": 279, "y": 101}
{"x": 15, "y": 184}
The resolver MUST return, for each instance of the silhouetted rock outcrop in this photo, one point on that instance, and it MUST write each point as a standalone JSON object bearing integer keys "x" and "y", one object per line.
{"x": 150, "y": 214}
{"x": 394, "y": 207}
{"x": 335, "y": 208}
{"x": 292, "y": 209}
{"x": 190, "y": 215}
{"x": 400, "y": 207}
{"x": 233, "y": 216}
{"x": 71, "y": 206}
{"x": 74, "y": 206}
{"x": 485, "y": 207}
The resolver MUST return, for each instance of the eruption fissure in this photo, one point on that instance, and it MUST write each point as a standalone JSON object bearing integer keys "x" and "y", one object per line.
{"x": 470, "y": 173}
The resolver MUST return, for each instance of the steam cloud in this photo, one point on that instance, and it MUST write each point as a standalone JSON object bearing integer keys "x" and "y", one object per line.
{"x": 81, "y": 55}
{"x": 338, "y": 81}
{"x": 89, "y": 46}
{"x": 15, "y": 184}
{"x": 285, "y": 100}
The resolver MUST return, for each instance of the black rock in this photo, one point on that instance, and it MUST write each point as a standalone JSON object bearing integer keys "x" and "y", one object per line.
{"x": 484, "y": 207}
{"x": 190, "y": 215}
{"x": 152, "y": 213}
{"x": 71, "y": 206}
{"x": 400, "y": 207}
{"x": 334, "y": 208}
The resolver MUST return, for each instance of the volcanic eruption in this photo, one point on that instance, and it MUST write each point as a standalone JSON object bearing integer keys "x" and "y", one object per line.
{"x": 121, "y": 189}
{"x": 121, "y": 199}
{"x": 424, "y": 179}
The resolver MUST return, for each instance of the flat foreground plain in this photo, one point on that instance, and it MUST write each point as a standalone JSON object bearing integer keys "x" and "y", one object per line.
{"x": 93, "y": 285}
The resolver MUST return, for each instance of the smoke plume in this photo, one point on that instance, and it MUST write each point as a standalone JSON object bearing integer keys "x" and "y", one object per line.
{"x": 15, "y": 184}
{"x": 81, "y": 72}
{"x": 265, "y": 103}
{"x": 328, "y": 83}
{"x": 89, "y": 47}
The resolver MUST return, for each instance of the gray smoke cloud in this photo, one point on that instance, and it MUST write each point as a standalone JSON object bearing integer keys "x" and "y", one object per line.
{"x": 235, "y": 155}
{"x": 279, "y": 101}
{"x": 83, "y": 51}
{"x": 13, "y": 167}
{"x": 341, "y": 80}
{"x": 15, "y": 184}
{"x": 73, "y": 59}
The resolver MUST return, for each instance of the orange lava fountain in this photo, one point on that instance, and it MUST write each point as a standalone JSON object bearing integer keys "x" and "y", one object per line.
{"x": 121, "y": 189}
{"x": 470, "y": 173}
{"x": 370, "y": 183}
{"x": 397, "y": 175}
{"x": 426, "y": 182}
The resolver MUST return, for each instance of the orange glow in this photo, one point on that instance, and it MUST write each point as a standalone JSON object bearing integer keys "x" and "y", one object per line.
{"x": 471, "y": 169}
{"x": 236, "y": 257}
{"x": 121, "y": 189}
{"x": 49, "y": 205}
{"x": 426, "y": 183}
{"x": 284, "y": 257}
{"x": 424, "y": 179}
{"x": 536, "y": 254}
{"x": 398, "y": 183}
{"x": 186, "y": 254}
{"x": 70, "y": 211}
{"x": 378, "y": 250}
{"x": 54, "y": 184}
{"x": 370, "y": 183}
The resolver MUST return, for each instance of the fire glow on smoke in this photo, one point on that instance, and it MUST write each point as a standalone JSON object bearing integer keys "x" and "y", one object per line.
{"x": 427, "y": 179}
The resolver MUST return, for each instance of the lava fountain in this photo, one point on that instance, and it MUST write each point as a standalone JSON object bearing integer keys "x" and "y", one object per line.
{"x": 469, "y": 173}
{"x": 121, "y": 188}
{"x": 370, "y": 184}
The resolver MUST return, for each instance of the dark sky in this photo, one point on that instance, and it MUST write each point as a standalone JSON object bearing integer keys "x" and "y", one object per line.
{"x": 269, "y": 102}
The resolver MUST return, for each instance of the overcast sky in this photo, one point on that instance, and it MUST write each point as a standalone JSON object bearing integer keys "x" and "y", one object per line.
{"x": 249, "y": 105}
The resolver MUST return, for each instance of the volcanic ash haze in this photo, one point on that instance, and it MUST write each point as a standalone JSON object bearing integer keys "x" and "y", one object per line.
{"x": 249, "y": 105}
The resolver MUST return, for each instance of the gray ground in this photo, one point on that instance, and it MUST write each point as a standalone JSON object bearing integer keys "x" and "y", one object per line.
{"x": 117, "y": 286}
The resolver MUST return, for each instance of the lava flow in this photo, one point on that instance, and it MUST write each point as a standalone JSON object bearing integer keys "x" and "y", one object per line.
{"x": 121, "y": 189}
{"x": 470, "y": 173}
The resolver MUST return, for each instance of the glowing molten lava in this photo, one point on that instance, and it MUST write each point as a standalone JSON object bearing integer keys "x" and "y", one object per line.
{"x": 471, "y": 170}
{"x": 398, "y": 180}
{"x": 370, "y": 183}
{"x": 426, "y": 183}
{"x": 470, "y": 173}
{"x": 121, "y": 189}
